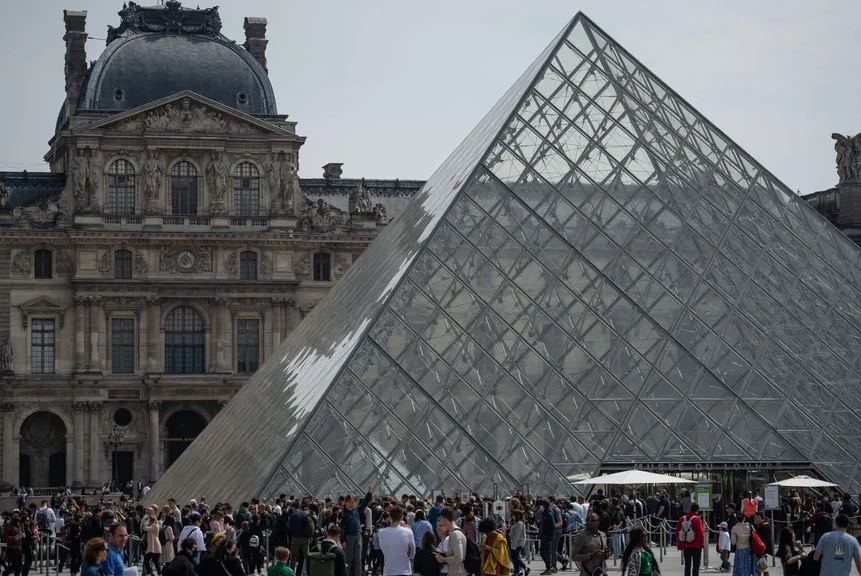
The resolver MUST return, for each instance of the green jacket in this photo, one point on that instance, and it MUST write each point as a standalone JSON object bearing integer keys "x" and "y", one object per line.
{"x": 279, "y": 569}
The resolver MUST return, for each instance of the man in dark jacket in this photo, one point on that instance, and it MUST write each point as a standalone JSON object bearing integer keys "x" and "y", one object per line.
{"x": 183, "y": 565}
{"x": 352, "y": 530}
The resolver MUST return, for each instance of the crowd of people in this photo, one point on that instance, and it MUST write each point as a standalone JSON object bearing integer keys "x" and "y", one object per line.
{"x": 379, "y": 535}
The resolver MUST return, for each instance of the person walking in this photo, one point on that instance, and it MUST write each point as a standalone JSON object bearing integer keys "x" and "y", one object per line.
{"x": 690, "y": 539}
{"x": 837, "y": 550}
{"x": 455, "y": 552}
{"x": 590, "y": 547}
{"x": 494, "y": 550}
{"x": 790, "y": 552}
{"x": 743, "y": 563}
{"x": 517, "y": 543}
{"x": 151, "y": 529}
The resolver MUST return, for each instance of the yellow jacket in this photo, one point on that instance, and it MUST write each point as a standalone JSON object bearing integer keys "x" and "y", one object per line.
{"x": 495, "y": 562}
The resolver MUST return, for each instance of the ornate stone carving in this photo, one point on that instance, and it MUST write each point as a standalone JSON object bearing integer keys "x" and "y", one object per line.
{"x": 7, "y": 406}
{"x": 318, "y": 216}
{"x": 47, "y": 213}
{"x": 171, "y": 17}
{"x": 153, "y": 173}
{"x": 360, "y": 200}
{"x": 380, "y": 214}
{"x": 266, "y": 266}
{"x": 6, "y": 364}
{"x": 106, "y": 261}
{"x": 332, "y": 170}
{"x": 341, "y": 264}
{"x": 141, "y": 267}
{"x": 290, "y": 186}
{"x": 303, "y": 264}
{"x": 186, "y": 117}
{"x": 85, "y": 177}
{"x": 154, "y": 405}
{"x": 65, "y": 262}
{"x": 230, "y": 266}
{"x": 848, "y": 150}
{"x": 186, "y": 260}
{"x": 216, "y": 172}
{"x": 4, "y": 197}
{"x": 22, "y": 262}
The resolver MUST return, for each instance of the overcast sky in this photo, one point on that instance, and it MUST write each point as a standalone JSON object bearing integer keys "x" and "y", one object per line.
{"x": 389, "y": 88}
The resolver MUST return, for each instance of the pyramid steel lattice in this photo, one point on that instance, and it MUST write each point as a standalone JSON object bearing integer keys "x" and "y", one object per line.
{"x": 596, "y": 275}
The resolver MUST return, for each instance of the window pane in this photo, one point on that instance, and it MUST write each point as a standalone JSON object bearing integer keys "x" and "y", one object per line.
{"x": 248, "y": 265}
{"x": 183, "y": 187}
{"x": 42, "y": 263}
{"x": 246, "y": 190}
{"x": 123, "y": 264}
{"x": 42, "y": 346}
{"x": 183, "y": 342}
{"x": 247, "y": 345}
{"x": 121, "y": 188}
{"x": 122, "y": 345}
{"x": 322, "y": 267}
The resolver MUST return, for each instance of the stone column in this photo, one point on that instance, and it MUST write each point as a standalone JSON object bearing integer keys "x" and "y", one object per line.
{"x": 294, "y": 316}
{"x": 95, "y": 412}
{"x": 94, "y": 333}
{"x": 154, "y": 441}
{"x": 154, "y": 328}
{"x": 222, "y": 338}
{"x": 103, "y": 341}
{"x": 79, "y": 408}
{"x": 276, "y": 321}
{"x": 80, "y": 334}
{"x": 142, "y": 341}
{"x": 267, "y": 334}
{"x": 10, "y": 472}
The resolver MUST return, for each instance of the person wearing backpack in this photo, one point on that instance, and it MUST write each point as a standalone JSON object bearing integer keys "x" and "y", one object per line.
{"x": 690, "y": 539}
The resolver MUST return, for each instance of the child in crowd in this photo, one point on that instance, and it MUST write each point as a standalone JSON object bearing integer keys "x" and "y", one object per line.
{"x": 723, "y": 547}
{"x": 280, "y": 568}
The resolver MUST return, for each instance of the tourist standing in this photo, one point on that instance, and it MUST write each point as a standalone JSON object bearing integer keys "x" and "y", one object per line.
{"x": 838, "y": 550}
{"x": 396, "y": 542}
{"x": 743, "y": 562}
{"x": 690, "y": 539}
{"x": 352, "y": 531}
{"x": 590, "y": 547}
{"x": 638, "y": 559}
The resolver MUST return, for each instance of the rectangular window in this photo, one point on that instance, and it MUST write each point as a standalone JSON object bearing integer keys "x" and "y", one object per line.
{"x": 42, "y": 346}
{"x": 122, "y": 345}
{"x": 247, "y": 345}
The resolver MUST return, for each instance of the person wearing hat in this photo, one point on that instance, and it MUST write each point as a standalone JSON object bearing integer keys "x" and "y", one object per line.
{"x": 724, "y": 546}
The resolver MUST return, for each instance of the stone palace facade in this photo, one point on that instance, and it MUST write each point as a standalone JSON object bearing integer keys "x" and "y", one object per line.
{"x": 166, "y": 254}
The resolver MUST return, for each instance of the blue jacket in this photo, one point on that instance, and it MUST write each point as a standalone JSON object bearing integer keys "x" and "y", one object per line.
{"x": 90, "y": 570}
{"x": 352, "y": 523}
{"x": 113, "y": 564}
{"x": 433, "y": 515}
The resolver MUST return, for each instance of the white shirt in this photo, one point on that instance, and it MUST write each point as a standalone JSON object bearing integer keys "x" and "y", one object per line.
{"x": 145, "y": 489}
{"x": 724, "y": 541}
{"x": 398, "y": 548}
{"x": 59, "y": 523}
{"x": 196, "y": 533}
{"x": 443, "y": 568}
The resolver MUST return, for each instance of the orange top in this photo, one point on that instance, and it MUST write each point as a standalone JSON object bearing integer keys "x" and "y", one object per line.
{"x": 748, "y": 507}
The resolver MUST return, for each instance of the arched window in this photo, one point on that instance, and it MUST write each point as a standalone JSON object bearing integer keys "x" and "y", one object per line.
{"x": 183, "y": 342}
{"x": 246, "y": 190}
{"x": 322, "y": 267}
{"x": 183, "y": 188}
{"x": 121, "y": 188}
{"x": 248, "y": 265}
{"x": 43, "y": 263}
{"x": 123, "y": 264}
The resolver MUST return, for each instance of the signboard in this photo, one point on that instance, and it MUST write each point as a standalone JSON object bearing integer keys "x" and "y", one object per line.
{"x": 499, "y": 510}
{"x": 703, "y": 495}
{"x": 772, "y": 497}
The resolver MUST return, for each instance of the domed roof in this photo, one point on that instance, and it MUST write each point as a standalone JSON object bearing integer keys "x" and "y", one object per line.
{"x": 162, "y": 50}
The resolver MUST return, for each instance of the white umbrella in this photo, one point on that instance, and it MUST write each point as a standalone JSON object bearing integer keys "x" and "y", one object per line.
{"x": 804, "y": 482}
{"x": 634, "y": 478}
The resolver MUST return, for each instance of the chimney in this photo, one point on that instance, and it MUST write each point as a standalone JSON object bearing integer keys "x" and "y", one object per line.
{"x": 255, "y": 39}
{"x": 76, "y": 56}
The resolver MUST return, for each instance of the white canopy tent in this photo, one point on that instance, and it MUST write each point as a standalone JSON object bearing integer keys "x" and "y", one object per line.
{"x": 633, "y": 478}
{"x": 803, "y": 482}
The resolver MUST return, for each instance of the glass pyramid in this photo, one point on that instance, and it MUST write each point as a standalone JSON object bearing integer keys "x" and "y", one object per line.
{"x": 596, "y": 275}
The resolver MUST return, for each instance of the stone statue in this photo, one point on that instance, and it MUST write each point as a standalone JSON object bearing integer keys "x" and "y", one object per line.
{"x": 4, "y": 197}
{"x": 380, "y": 214}
{"x": 848, "y": 157}
{"x": 273, "y": 172}
{"x": 91, "y": 175}
{"x": 290, "y": 184}
{"x": 6, "y": 357}
{"x": 217, "y": 172}
{"x": 80, "y": 174}
{"x": 152, "y": 176}
{"x": 360, "y": 200}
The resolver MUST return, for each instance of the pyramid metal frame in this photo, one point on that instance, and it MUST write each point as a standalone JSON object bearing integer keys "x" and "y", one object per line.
{"x": 596, "y": 275}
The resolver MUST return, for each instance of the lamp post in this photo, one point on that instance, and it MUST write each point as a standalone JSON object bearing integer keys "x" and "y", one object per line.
{"x": 115, "y": 438}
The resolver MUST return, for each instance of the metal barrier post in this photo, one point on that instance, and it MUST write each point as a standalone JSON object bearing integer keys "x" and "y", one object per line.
{"x": 706, "y": 539}
{"x": 773, "y": 561}
{"x": 661, "y": 538}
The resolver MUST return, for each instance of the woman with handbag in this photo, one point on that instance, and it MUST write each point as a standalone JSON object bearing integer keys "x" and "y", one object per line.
{"x": 744, "y": 563}
{"x": 638, "y": 559}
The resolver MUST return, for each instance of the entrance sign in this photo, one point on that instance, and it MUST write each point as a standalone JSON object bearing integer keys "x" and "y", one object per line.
{"x": 772, "y": 497}
{"x": 703, "y": 493}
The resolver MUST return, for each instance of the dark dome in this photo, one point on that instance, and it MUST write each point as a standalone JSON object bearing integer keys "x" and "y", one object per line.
{"x": 137, "y": 69}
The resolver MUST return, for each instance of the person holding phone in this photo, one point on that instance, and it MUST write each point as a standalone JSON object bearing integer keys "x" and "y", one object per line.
{"x": 590, "y": 548}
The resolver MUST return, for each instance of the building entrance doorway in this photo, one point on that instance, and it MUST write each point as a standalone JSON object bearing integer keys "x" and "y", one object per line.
{"x": 182, "y": 428}
{"x": 42, "y": 458}
{"x": 123, "y": 466}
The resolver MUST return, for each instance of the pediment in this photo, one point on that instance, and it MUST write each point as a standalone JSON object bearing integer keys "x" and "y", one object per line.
{"x": 185, "y": 112}
{"x": 41, "y": 306}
